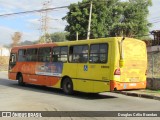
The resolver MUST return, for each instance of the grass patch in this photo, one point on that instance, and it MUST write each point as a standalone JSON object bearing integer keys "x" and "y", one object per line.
{"x": 152, "y": 91}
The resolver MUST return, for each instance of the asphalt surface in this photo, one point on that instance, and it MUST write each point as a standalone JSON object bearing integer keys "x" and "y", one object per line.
{"x": 39, "y": 98}
{"x": 148, "y": 94}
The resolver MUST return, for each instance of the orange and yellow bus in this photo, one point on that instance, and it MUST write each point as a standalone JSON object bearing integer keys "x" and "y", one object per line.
{"x": 90, "y": 66}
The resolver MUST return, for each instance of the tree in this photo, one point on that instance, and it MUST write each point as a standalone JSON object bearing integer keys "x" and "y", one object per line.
{"x": 45, "y": 38}
{"x": 133, "y": 21}
{"x": 16, "y": 38}
{"x": 101, "y": 22}
{"x": 27, "y": 42}
{"x": 109, "y": 18}
{"x": 54, "y": 37}
{"x": 58, "y": 36}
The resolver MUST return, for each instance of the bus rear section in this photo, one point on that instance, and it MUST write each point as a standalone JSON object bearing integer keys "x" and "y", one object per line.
{"x": 132, "y": 75}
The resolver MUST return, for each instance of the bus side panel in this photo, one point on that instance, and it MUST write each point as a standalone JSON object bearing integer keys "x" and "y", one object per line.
{"x": 25, "y": 77}
{"x": 83, "y": 85}
{"x": 12, "y": 75}
{"x": 80, "y": 83}
{"x": 95, "y": 77}
{"x": 52, "y": 81}
{"x": 70, "y": 70}
{"x": 14, "y": 71}
{"x": 28, "y": 71}
{"x": 101, "y": 86}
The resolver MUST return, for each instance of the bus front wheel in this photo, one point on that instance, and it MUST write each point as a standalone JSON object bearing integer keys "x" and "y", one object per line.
{"x": 67, "y": 86}
{"x": 20, "y": 80}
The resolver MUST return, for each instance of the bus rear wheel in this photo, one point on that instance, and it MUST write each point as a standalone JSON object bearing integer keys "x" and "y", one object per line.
{"x": 67, "y": 86}
{"x": 20, "y": 80}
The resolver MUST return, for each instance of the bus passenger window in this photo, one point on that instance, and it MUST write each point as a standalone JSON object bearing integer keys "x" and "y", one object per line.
{"x": 78, "y": 54}
{"x": 22, "y": 55}
{"x": 44, "y": 54}
{"x": 64, "y": 54}
{"x": 60, "y": 54}
{"x": 55, "y": 58}
{"x": 103, "y": 53}
{"x": 31, "y": 54}
{"x": 98, "y": 53}
{"x": 70, "y": 54}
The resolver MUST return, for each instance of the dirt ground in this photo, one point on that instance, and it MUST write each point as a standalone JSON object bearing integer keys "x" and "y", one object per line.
{"x": 4, "y": 60}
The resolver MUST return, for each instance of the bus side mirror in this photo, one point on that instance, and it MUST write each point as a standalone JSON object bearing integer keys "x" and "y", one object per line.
{"x": 121, "y": 63}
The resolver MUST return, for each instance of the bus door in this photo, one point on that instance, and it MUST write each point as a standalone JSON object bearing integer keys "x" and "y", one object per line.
{"x": 12, "y": 61}
{"x": 71, "y": 67}
{"x": 12, "y": 64}
{"x": 83, "y": 83}
{"x": 94, "y": 68}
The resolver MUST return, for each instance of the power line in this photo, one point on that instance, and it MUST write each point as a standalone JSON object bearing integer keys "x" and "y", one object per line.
{"x": 154, "y": 18}
{"x": 33, "y": 11}
{"x": 48, "y": 9}
{"x": 156, "y": 21}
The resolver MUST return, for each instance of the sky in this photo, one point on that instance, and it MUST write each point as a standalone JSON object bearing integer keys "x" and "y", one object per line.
{"x": 29, "y": 24}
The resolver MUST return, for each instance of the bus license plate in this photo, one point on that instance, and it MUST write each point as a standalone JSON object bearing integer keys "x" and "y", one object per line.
{"x": 132, "y": 84}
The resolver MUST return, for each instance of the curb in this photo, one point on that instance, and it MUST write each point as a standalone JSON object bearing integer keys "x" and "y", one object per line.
{"x": 142, "y": 95}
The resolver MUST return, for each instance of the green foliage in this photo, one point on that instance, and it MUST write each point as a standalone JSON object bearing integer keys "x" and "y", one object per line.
{"x": 134, "y": 19}
{"x": 58, "y": 36}
{"x": 109, "y": 18}
{"x": 54, "y": 37}
{"x": 45, "y": 38}
{"x": 27, "y": 42}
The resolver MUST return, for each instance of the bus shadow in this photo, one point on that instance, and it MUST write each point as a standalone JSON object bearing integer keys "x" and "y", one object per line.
{"x": 50, "y": 90}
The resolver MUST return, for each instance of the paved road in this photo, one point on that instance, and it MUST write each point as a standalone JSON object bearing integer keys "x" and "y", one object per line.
{"x": 38, "y": 98}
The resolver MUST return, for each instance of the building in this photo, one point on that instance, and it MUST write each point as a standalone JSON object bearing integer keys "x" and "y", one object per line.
{"x": 4, "y": 51}
{"x": 156, "y": 35}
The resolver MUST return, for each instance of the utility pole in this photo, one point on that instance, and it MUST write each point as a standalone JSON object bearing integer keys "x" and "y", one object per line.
{"x": 77, "y": 35}
{"x": 45, "y": 24}
{"x": 89, "y": 23}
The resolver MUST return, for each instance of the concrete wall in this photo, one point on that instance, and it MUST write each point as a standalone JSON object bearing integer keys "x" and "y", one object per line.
{"x": 153, "y": 83}
{"x": 153, "y": 75}
{"x": 153, "y": 70}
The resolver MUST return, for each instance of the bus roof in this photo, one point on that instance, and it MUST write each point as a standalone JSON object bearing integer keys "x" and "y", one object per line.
{"x": 98, "y": 40}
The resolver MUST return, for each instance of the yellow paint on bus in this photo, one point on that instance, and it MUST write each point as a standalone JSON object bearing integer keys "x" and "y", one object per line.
{"x": 108, "y": 64}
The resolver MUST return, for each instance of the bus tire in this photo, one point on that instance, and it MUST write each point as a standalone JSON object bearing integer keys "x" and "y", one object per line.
{"x": 20, "y": 80}
{"x": 67, "y": 86}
